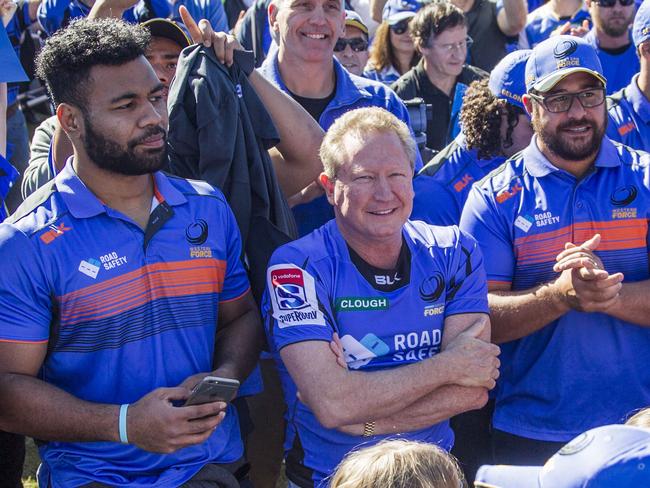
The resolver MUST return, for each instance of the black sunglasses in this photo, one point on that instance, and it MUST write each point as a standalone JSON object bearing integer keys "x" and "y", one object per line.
{"x": 611, "y": 3}
{"x": 356, "y": 43}
{"x": 402, "y": 26}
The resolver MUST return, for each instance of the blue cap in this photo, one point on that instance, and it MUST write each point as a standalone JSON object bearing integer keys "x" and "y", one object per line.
{"x": 397, "y": 10}
{"x": 353, "y": 19}
{"x": 507, "y": 79}
{"x": 11, "y": 70}
{"x": 614, "y": 456}
{"x": 641, "y": 26}
{"x": 558, "y": 57}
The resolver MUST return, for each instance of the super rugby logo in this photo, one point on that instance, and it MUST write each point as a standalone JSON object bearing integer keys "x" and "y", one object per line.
{"x": 565, "y": 48}
{"x": 197, "y": 232}
{"x": 293, "y": 296}
{"x": 623, "y": 196}
{"x": 432, "y": 287}
{"x": 289, "y": 288}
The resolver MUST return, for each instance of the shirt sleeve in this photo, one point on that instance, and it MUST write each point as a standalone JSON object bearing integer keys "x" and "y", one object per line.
{"x": 480, "y": 218}
{"x": 296, "y": 306}
{"x": 235, "y": 283}
{"x": 467, "y": 285}
{"x": 25, "y": 295}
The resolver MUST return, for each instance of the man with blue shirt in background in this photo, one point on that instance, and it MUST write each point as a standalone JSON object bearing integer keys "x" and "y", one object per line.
{"x": 629, "y": 108}
{"x": 556, "y": 16}
{"x": 564, "y": 228}
{"x": 611, "y": 37}
{"x": 495, "y": 126}
{"x": 305, "y": 67}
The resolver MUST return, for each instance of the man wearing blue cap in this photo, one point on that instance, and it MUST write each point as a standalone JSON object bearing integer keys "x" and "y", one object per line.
{"x": 629, "y": 108}
{"x": 610, "y": 456}
{"x": 563, "y": 226}
{"x": 495, "y": 126}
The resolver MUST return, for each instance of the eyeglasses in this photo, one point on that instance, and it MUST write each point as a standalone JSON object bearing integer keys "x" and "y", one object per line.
{"x": 356, "y": 43}
{"x": 611, "y": 3}
{"x": 455, "y": 46}
{"x": 401, "y": 27}
{"x": 562, "y": 102}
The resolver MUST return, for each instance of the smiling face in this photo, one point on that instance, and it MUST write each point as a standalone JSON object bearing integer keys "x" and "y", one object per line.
{"x": 372, "y": 192}
{"x": 125, "y": 122}
{"x": 307, "y": 29}
{"x": 575, "y": 135}
{"x": 446, "y": 53}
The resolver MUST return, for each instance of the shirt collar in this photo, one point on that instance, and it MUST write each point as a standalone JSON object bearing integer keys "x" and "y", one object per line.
{"x": 537, "y": 164}
{"x": 639, "y": 102}
{"x": 83, "y": 203}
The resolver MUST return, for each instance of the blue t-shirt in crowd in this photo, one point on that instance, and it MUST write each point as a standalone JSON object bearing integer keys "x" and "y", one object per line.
{"x": 124, "y": 311}
{"x": 53, "y": 14}
{"x": 542, "y": 21}
{"x": 629, "y": 117}
{"x": 442, "y": 186}
{"x": 315, "y": 289}
{"x": 203, "y": 9}
{"x": 582, "y": 370}
{"x": 351, "y": 92}
{"x": 618, "y": 67}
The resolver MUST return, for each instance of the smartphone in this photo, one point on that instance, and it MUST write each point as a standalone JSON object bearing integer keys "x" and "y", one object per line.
{"x": 212, "y": 389}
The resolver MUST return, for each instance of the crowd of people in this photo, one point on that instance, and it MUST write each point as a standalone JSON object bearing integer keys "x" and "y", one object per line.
{"x": 412, "y": 235}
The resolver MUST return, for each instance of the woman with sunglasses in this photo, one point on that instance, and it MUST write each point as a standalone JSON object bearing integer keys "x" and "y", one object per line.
{"x": 393, "y": 52}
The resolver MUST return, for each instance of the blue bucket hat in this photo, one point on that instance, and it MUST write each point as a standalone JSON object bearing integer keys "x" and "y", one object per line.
{"x": 556, "y": 58}
{"x": 508, "y": 78}
{"x": 614, "y": 456}
{"x": 397, "y": 10}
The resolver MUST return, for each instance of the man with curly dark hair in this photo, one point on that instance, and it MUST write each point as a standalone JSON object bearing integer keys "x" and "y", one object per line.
{"x": 494, "y": 127}
{"x": 115, "y": 279}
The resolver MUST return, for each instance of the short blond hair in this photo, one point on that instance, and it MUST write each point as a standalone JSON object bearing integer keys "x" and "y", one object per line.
{"x": 399, "y": 464}
{"x": 640, "y": 419}
{"x": 357, "y": 124}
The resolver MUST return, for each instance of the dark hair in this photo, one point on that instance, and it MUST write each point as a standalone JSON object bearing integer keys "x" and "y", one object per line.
{"x": 65, "y": 61}
{"x": 434, "y": 18}
{"x": 480, "y": 117}
{"x": 382, "y": 54}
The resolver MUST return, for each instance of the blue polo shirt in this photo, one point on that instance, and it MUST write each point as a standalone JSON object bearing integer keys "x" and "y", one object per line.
{"x": 629, "y": 117}
{"x": 53, "y": 14}
{"x": 124, "y": 311}
{"x": 351, "y": 92}
{"x": 314, "y": 288}
{"x": 618, "y": 68}
{"x": 582, "y": 370}
{"x": 442, "y": 186}
{"x": 542, "y": 21}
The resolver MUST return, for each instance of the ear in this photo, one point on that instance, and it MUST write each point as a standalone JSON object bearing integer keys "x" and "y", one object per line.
{"x": 70, "y": 118}
{"x": 328, "y": 185}
{"x": 528, "y": 103}
{"x": 273, "y": 14}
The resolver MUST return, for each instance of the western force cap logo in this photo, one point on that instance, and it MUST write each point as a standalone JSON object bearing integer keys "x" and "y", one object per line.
{"x": 565, "y": 48}
{"x": 623, "y": 196}
{"x": 197, "y": 232}
{"x": 432, "y": 287}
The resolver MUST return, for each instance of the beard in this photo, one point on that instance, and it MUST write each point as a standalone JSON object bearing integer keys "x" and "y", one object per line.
{"x": 570, "y": 150}
{"x": 111, "y": 156}
{"x": 617, "y": 29}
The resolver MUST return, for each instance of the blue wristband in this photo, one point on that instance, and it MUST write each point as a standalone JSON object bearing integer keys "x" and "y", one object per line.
{"x": 124, "y": 439}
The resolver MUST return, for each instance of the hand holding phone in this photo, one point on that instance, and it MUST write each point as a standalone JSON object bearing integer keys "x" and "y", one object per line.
{"x": 213, "y": 389}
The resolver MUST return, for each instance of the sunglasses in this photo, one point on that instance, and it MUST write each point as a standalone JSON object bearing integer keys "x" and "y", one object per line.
{"x": 356, "y": 44}
{"x": 611, "y": 3}
{"x": 402, "y": 26}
